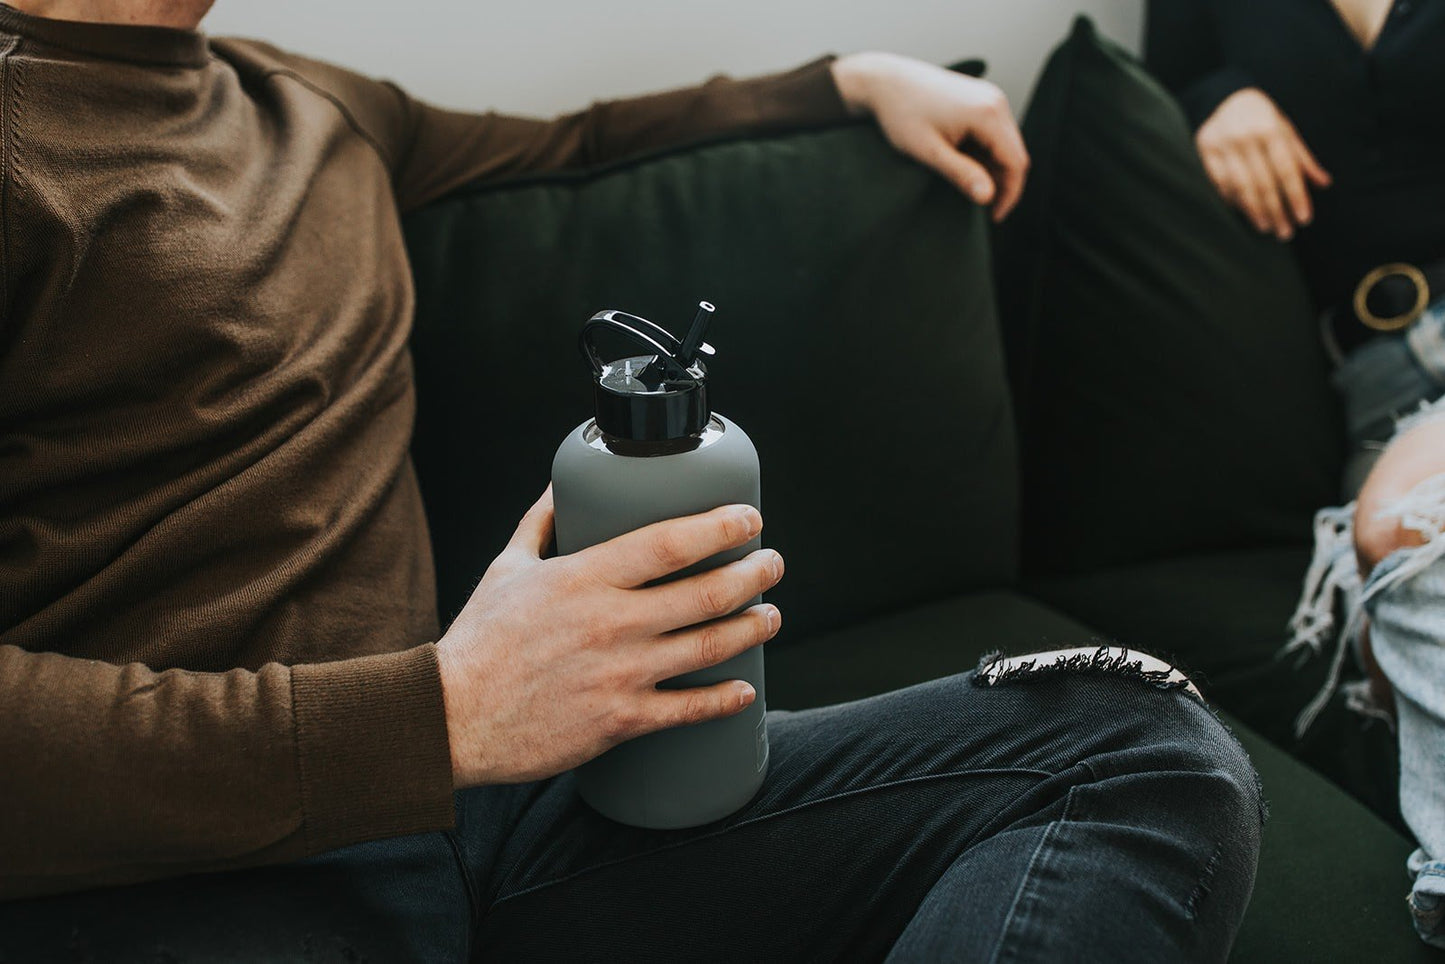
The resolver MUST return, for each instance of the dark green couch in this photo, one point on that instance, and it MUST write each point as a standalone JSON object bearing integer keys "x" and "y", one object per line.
{"x": 860, "y": 345}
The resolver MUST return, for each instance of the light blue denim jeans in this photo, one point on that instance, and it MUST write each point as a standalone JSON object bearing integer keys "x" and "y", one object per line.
{"x": 1389, "y": 385}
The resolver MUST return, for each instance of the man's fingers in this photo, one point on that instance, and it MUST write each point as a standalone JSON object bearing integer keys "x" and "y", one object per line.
{"x": 709, "y": 595}
{"x": 534, "y": 532}
{"x": 965, "y": 173}
{"x": 663, "y": 548}
{"x": 1287, "y": 173}
{"x": 1000, "y": 137}
{"x": 716, "y": 642}
{"x": 668, "y": 708}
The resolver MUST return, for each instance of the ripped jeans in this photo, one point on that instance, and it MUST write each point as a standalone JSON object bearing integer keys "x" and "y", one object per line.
{"x": 1389, "y": 385}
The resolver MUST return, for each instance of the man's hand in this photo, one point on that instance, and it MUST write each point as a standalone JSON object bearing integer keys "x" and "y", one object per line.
{"x": 1259, "y": 163}
{"x": 553, "y": 661}
{"x": 958, "y": 125}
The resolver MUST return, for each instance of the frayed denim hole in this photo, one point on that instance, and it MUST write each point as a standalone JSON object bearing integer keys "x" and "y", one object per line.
{"x": 1104, "y": 661}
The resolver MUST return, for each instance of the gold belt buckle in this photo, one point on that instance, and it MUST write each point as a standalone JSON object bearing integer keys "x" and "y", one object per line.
{"x": 1394, "y": 322}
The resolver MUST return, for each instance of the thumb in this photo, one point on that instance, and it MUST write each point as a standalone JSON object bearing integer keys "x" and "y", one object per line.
{"x": 965, "y": 173}
{"x": 534, "y": 532}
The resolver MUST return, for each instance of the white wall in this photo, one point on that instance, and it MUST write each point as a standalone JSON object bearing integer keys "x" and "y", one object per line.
{"x": 547, "y": 56}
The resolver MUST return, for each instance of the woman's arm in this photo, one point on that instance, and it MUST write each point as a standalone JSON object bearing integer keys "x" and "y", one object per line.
{"x": 1251, "y": 151}
{"x": 1182, "y": 48}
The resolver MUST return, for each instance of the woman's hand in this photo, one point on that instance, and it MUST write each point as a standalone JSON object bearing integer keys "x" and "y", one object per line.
{"x": 1259, "y": 163}
{"x": 958, "y": 125}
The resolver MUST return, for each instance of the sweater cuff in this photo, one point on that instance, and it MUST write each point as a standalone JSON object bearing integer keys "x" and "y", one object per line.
{"x": 804, "y": 95}
{"x": 1201, "y": 98}
{"x": 372, "y": 748}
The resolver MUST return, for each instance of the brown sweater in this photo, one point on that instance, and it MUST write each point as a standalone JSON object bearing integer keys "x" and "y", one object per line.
{"x": 216, "y": 602}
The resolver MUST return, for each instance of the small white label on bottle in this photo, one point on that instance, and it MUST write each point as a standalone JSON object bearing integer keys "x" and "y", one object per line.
{"x": 761, "y": 740}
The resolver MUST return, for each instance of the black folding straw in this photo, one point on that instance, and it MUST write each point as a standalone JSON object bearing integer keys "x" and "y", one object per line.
{"x": 687, "y": 354}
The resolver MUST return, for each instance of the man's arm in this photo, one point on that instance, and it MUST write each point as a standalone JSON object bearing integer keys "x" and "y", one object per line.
{"x": 115, "y": 774}
{"x": 445, "y": 149}
{"x": 118, "y": 774}
{"x": 958, "y": 125}
{"x": 431, "y": 151}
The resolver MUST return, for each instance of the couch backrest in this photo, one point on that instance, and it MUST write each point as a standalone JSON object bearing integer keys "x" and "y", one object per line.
{"x": 857, "y": 345}
{"x": 1171, "y": 386}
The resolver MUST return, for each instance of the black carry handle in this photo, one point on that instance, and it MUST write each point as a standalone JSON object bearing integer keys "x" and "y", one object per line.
{"x": 673, "y": 355}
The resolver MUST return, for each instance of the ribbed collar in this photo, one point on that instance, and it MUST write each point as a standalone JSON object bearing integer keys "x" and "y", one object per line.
{"x": 111, "y": 41}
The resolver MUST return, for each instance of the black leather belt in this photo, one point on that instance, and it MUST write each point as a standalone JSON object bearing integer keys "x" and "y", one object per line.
{"x": 1388, "y": 298}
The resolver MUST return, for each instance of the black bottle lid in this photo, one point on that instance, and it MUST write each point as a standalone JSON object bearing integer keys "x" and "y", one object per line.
{"x": 652, "y": 397}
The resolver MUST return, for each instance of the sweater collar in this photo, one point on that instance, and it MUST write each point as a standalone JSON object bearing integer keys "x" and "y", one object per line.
{"x": 166, "y": 46}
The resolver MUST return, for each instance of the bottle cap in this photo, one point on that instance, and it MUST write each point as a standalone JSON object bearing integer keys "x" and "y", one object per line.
{"x": 651, "y": 397}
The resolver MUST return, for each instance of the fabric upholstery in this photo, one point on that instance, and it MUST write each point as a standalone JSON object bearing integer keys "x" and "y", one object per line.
{"x": 856, "y": 337}
{"x": 1170, "y": 385}
{"x": 1331, "y": 880}
{"x": 1171, "y": 394}
{"x": 1223, "y": 616}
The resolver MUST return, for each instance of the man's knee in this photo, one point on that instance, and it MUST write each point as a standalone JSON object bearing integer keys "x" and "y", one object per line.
{"x": 1414, "y": 458}
{"x": 1154, "y": 734}
{"x": 1111, "y": 698}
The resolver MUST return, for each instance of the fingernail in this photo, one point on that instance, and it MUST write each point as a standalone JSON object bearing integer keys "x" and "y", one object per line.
{"x": 772, "y": 616}
{"x": 746, "y": 693}
{"x": 980, "y": 191}
{"x": 753, "y": 518}
{"x": 775, "y": 564}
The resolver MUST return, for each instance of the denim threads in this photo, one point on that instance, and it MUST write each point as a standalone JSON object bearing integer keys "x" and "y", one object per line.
{"x": 1404, "y": 598}
{"x": 1390, "y": 386}
{"x": 996, "y": 669}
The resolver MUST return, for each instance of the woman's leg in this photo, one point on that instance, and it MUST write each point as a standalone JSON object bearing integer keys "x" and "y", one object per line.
{"x": 1084, "y": 814}
{"x": 1400, "y": 539}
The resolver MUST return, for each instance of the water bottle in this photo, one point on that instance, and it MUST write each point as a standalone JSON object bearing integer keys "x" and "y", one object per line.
{"x": 656, "y": 450}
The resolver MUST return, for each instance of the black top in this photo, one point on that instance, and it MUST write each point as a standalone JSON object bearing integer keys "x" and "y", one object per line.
{"x": 1375, "y": 120}
{"x": 657, "y": 397}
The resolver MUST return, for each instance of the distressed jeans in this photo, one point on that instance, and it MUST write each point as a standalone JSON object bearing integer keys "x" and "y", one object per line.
{"x": 1388, "y": 385}
{"x": 1079, "y": 811}
{"x": 1404, "y": 597}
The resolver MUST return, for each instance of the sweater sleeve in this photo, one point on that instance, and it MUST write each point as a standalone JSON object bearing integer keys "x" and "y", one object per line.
{"x": 431, "y": 151}
{"x": 445, "y": 149}
{"x": 1182, "y": 48}
{"x": 118, "y": 774}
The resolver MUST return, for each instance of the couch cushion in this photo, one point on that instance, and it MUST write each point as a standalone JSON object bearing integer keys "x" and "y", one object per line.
{"x": 1170, "y": 386}
{"x": 1331, "y": 884}
{"x": 1223, "y": 616}
{"x": 908, "y": 647}
{"x": 1223, "y": 613}
{"x": 856, "y": 337}
{"x": 1331, "y": 880}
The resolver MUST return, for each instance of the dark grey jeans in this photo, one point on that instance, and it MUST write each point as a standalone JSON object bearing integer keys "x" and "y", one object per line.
{"x": 1063, "y": 816}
